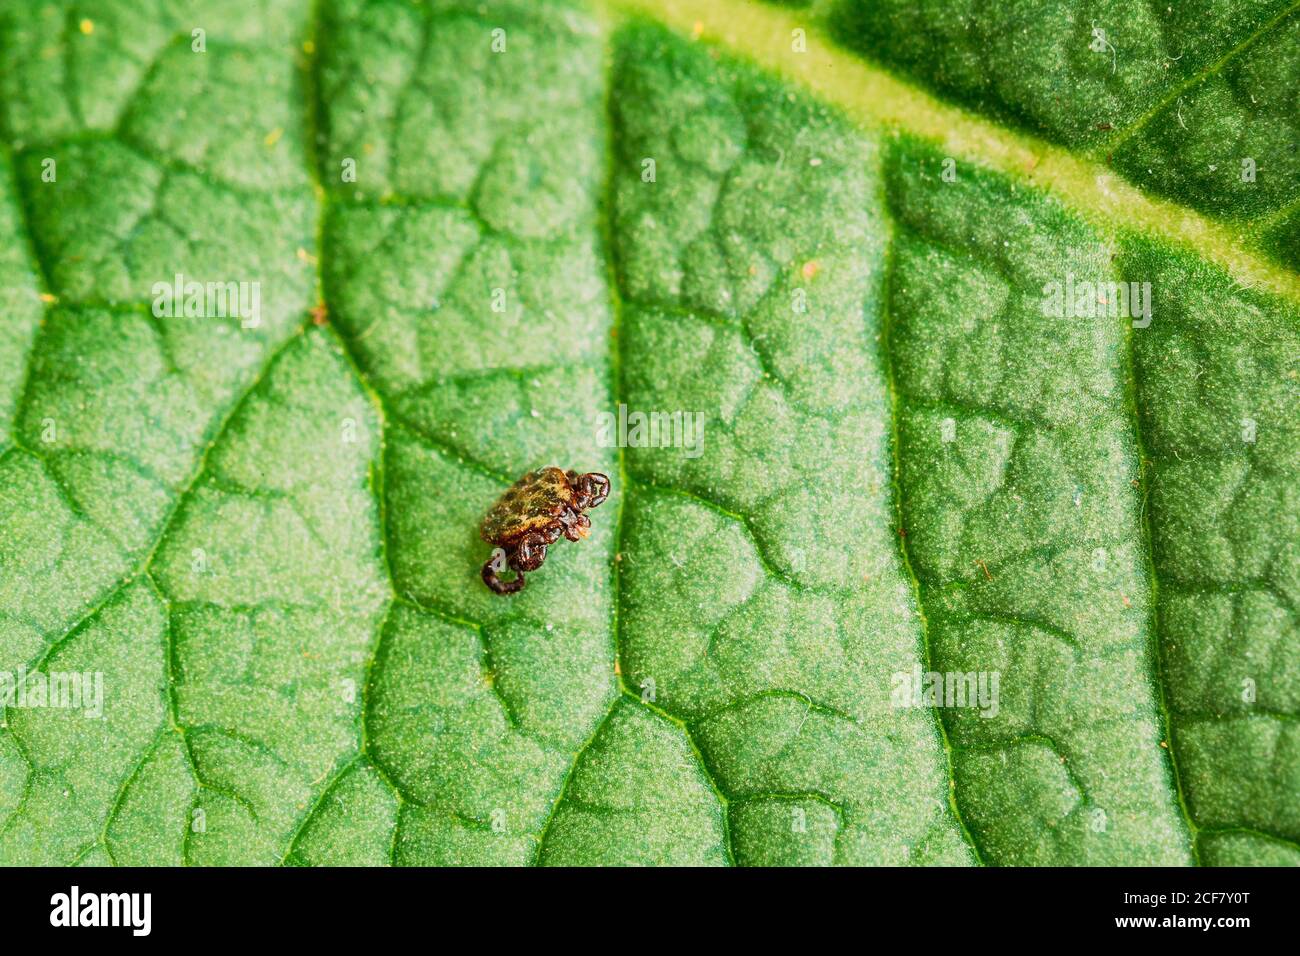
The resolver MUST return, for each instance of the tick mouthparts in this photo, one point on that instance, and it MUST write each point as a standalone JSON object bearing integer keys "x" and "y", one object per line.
{"x": 583, "y": 531}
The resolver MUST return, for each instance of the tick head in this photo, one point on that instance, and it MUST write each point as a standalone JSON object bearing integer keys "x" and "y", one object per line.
{"x": 576, "y": 526}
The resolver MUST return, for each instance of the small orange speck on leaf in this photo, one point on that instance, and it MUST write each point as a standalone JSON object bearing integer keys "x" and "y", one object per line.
{"x": 697, "y": 29}
{"x": 87, "y": 27}
{"x": 273, "y": 137}
{"x": 49, "y": 299}
{"x": 319, "y": 313}
{"x": 810, "y": 269}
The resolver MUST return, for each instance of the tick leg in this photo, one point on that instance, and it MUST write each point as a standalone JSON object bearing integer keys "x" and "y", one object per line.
{"x": 496, "y": 564}
{"x": 594, "y": 487}
{"x": 529, "y": 553}
{"x": 576, "y": 526}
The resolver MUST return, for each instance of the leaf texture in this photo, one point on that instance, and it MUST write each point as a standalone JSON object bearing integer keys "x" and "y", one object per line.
{"x": 265, "y": 538}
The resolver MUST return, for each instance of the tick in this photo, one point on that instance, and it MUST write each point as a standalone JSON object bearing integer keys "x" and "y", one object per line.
{"x": 531, "y": 516}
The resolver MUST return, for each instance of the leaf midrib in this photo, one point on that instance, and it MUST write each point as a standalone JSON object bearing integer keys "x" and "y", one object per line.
{"x": 880, "y": 101}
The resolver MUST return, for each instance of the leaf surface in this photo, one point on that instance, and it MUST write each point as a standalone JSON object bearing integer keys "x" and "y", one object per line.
{"x": 264, "y": 537}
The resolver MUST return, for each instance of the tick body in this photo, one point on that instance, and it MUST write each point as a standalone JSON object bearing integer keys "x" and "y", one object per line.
{"x": 532, "y": 515}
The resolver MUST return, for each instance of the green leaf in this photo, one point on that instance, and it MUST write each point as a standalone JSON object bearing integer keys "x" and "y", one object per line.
{"x": 1177, "y": 97}
{"x": 263, "y": 536}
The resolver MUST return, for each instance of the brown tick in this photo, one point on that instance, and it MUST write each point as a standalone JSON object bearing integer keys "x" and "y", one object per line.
{"x": 532, "y": 514}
